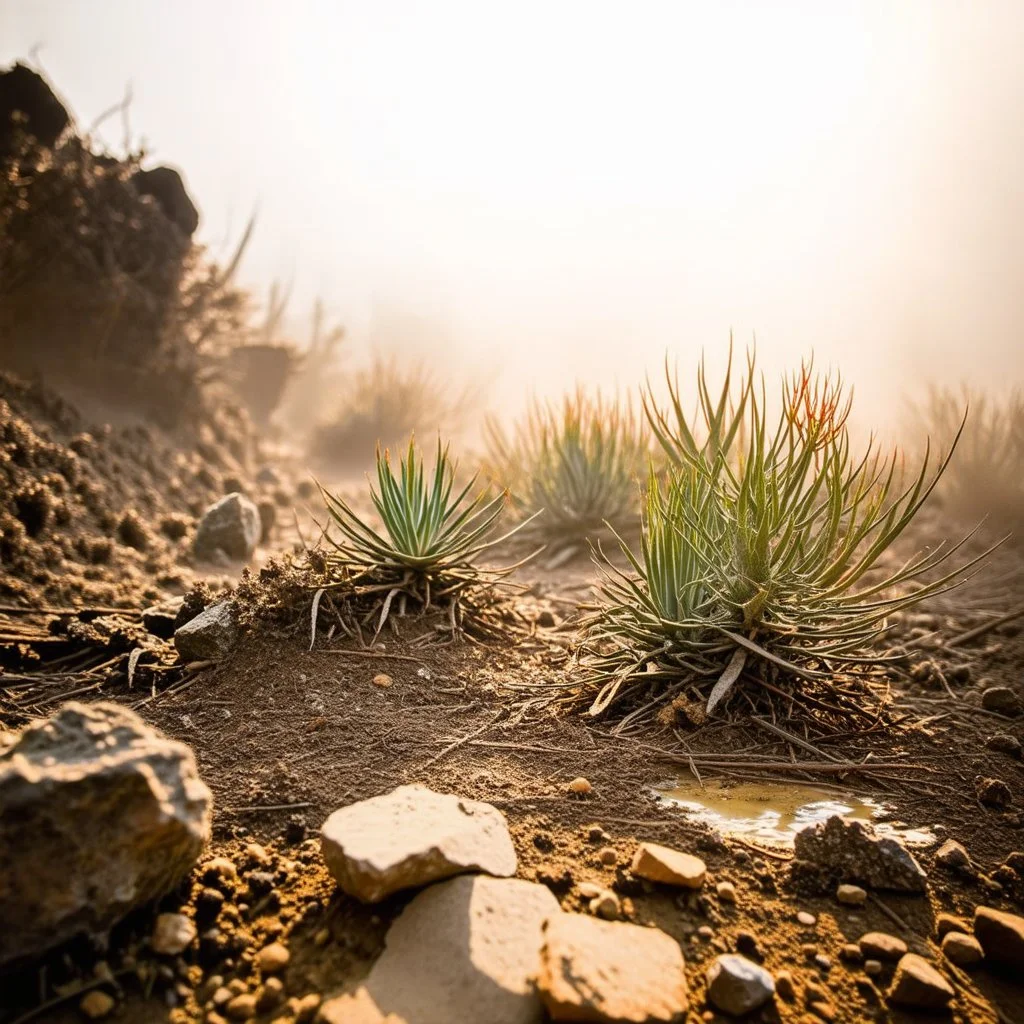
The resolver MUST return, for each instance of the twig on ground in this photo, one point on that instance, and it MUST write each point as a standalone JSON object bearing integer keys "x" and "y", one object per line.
{"x": 890, "y": 913}
{"x": 463, "y": 739}
{"x": 267, "y": 807}
{"x": 985, "y": 627}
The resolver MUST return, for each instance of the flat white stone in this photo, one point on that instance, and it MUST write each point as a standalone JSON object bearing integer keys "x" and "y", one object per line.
{"x": 411, "y": 837}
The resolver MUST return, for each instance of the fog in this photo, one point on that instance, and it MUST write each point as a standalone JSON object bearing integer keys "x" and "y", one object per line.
{"x": 566, "y": 191}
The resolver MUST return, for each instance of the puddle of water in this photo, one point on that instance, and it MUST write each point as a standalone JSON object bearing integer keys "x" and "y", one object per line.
{"x": 773, "y": 813}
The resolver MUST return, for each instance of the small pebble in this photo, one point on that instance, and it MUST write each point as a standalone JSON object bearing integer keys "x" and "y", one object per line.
{"x": 873, "y": 967}
{"x": 580, "y": 786}
{"x": 606, "y": 906}
{"x": 96, "y": 1004}
{"x": 726, "y": 892}
{"x": 822, "y": 962}
{"x": 172, "y": 934}
{"x": 220, "y": 868}
{"x": 706, "y": 932}
{"x": 322, "y": 937}
{"x": 851, "y": 953}
{"x": 382, "y": 680}
{"x": 273, "y": 958}
{"x": 851, "y": 895}
{"x": 608, "y": 856}
{"x": 596, "y": 834}
{"x": 242, "y": 1007}
{"x": 807, "y": 920}
{"x": 784, "y": 985}
{"x": 271, "y": 994}
{"x": 256, "y": 854}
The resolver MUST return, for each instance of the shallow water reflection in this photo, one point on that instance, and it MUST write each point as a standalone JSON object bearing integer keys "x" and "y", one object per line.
{"x": 774, "y": 812}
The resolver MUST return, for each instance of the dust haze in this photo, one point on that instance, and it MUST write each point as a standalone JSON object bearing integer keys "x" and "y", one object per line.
{"x": 543, "y": 196}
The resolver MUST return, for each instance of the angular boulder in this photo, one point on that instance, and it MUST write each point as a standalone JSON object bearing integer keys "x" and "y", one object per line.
{"x": 413, "y": 836}
{"x": 916, "y": 984}
{"x": 593, "y": 970}
{"x": 855, "y": 851}
{"x": 99, "y": 814}
{"x": 962, "y": 950}
{"x": 463, "y": 950}
{"x": 662, "y": 864}
{"x": 1001, "y": 936}
{"x": 737, "y": 985}
{"x": 209, "y": 636}
{"x": 232, "y": 526}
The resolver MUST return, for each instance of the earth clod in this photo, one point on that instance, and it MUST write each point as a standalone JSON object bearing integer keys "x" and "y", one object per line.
{"x": 859, "y": 854}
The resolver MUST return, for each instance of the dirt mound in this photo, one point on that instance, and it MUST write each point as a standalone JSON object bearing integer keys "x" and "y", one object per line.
{"x": 103, "y": 515}
{"x": 101, "y": 286}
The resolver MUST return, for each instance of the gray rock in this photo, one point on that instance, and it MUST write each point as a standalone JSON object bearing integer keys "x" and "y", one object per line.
{"x": 737, "y": 985}
{"x": 99, "y": 814}
{"x": 209, "y": 636}
{"x": 1002, "y": 700}
{"x": 859, "y": 854}
{"x": 952, "y": 854}
{"x": 464, "y": 950}
{"x": 1001, "y": 936}
{"x": 413, "y": 836}
{"x": 918, "y": 985}
{"x": 232, "y": 526}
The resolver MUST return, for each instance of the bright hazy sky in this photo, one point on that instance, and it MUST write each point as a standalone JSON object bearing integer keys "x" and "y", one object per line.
{"x": 568, "y": 189}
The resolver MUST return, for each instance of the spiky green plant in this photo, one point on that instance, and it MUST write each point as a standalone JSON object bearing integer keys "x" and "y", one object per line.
{"x": 574, "y": 465}
{"x": 768, "y": 561}
{"x": 430, "y": 537}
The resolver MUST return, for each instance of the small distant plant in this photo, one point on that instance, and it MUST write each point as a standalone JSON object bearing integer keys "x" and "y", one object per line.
{"x": 574, "y": 465}
{"x": 986, "y": 480}
{"x": 763, "y": 565}
{"x": 432, "y": 533}
{"x": 384, "y": 403}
